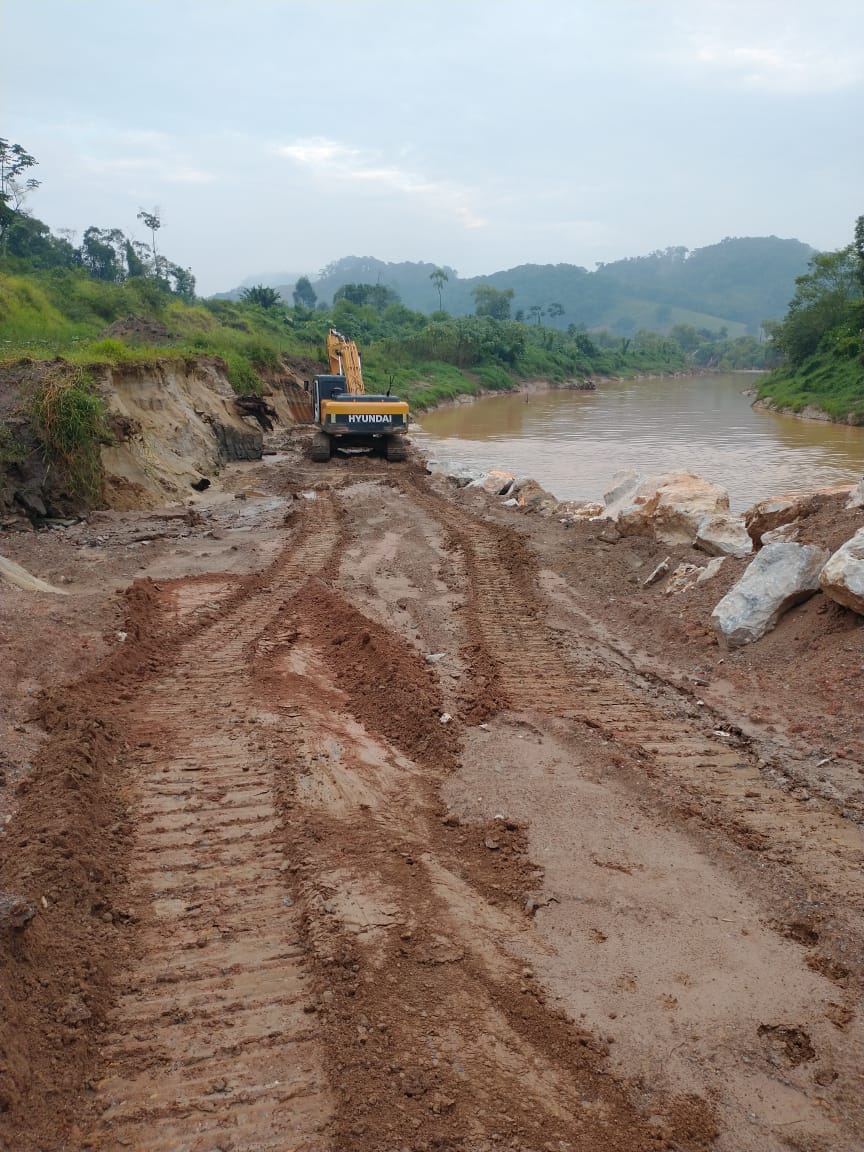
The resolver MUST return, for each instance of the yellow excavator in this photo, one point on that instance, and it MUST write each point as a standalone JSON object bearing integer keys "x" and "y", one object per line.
{"x": 346, "y": 416}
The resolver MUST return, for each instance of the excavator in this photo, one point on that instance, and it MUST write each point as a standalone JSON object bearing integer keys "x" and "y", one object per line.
{"x": 346, "y": 416}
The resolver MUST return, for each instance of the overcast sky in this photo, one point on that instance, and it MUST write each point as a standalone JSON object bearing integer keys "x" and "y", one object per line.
{"x": 283, "y": 134}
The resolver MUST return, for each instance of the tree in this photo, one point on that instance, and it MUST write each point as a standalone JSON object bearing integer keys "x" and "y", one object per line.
{"x": 537, "y": 312}
{"x": 494, "y": 302}
{"x": 103, "y": 252}
{"x": 554, "y": 310}
{"x": 183, "y": 282}
{"x": 379, "y": 296}
{"x": 439, "y": 278}
{"x": 153, "y": 221}
{"x": 261, "y": 295}
{"x": 13, "y": 192}
{"x": 822, "y": 301}
{"x": 13, "y": 162}
{"x": 858, "y": 245}
{"x": 135, "y": 263}
{"x": 304, "y": 294}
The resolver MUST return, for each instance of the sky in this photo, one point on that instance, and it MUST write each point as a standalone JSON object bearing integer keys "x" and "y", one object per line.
{"x": 280, "y": 135}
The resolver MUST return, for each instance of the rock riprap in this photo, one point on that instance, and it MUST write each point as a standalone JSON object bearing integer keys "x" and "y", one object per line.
{"x": 842, "y": 578}
{"x": 676, "y": 508}
{"x": 781, "y": 576}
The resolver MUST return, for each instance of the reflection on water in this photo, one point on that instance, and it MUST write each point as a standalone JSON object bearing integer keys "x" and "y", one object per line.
{"x": 572, "y": 442}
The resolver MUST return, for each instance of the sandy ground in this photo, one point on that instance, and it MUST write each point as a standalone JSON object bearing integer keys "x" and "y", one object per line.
{"x": 349, "y": 812}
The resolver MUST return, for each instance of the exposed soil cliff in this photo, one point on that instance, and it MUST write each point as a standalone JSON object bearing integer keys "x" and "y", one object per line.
{"x": 170, "y": 426}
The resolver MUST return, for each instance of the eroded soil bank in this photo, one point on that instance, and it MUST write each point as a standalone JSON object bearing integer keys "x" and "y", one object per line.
{"x": 355, "y": 814}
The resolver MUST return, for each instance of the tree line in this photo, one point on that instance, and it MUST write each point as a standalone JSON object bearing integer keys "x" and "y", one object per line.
{"x": 27, "y": 244}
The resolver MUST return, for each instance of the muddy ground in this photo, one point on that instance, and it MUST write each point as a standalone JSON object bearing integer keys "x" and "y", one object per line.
{"x": 350, "y": 812}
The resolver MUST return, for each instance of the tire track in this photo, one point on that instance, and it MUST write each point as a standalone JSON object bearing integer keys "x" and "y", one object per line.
{"x": 210, "y": 1045}
{"x": 533, "y": 667}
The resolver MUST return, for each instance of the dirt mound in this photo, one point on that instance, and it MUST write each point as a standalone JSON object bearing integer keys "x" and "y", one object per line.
{"x": 138, "y": 330}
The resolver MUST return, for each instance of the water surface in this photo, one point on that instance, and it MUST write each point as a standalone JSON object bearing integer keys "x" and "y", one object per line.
{"x": 573, "y": 442}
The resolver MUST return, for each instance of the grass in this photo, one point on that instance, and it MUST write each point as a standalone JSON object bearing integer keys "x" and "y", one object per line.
{"x": 834, "y": 385}
{"x": 69, "y": 418}
{"x": 12, "y": 451}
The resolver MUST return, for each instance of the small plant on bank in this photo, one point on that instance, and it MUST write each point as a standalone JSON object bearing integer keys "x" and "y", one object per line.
{"x": 241, "y": 375}
{"x": 68, "y": 416}
{"x": 12, "y": 451}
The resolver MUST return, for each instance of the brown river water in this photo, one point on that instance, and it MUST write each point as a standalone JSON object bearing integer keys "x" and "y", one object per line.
{"x": 573, "y": 442}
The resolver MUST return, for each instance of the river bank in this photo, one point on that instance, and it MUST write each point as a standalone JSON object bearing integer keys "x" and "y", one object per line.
{"x": 808, "y": 412}
{"x": 531, "y": 387}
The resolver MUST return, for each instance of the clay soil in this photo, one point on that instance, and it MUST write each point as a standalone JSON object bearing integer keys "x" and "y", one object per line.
{"x": 355, "y": 813}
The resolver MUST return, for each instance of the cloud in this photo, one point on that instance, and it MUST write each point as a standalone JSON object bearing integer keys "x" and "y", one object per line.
{"x": 335, "y": 160}
{"x": 156, "y": 155}
{"x": 782, "y": 70}
{"x": 165, "y": 169}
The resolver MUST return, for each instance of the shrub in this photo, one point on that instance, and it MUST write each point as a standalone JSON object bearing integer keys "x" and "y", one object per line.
{"x": 68, "y": 416}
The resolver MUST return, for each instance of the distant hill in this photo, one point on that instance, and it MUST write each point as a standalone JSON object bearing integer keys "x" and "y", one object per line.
{"x": 735, "y": 284}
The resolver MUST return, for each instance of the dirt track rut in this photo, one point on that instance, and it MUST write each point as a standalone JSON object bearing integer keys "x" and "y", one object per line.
{"x": 211, "y": 1036}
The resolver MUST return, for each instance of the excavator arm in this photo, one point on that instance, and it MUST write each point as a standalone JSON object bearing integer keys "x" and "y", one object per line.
{"x": 344, "y": 357}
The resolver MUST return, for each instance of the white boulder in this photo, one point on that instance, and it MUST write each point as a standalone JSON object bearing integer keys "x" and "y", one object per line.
{"x": 856, "y": 496}
{"x": 781, "y": 576}
{"x": 671, "y": 506}
{"x": 711, "y": 569}
{"x": 496, "y": 482}
{"x": 723, "y": 535}
{"x": 619, "y": 496}
{"x": 842, "y": 577}
{"x": 785, "y": 534}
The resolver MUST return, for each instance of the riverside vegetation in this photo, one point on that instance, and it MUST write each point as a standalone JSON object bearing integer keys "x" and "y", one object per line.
{"x": 821, "y": 339}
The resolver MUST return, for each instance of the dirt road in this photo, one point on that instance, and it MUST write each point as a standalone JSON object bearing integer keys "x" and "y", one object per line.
{"x": 388, "y": 845}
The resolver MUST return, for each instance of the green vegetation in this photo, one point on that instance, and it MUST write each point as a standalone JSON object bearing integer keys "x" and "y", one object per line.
{"x": 12, "y": 451}
{"x": 68, "y": 416}
{"x": 821, "y": 338}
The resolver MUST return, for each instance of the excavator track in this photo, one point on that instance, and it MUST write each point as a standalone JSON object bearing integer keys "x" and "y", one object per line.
{"x": 209, "y": 1045}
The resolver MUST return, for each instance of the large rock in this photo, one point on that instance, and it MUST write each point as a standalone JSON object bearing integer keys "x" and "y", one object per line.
{"x": 842, "y": 577}
{"x": 856, "y": 496}
{"x": 495, "y": 483}
{"x": 768, "y": 515}
{"x": 781, "y": 576}
{"x": 531, "y": 497}
{"x": 723, "y": 535}
{"x": 671, "y": 507}
{"x": 624, "y": 486}
{"x": 777, "y": 511}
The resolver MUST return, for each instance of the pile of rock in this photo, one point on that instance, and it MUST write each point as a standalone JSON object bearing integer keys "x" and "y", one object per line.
{"x": 679, "y": 508}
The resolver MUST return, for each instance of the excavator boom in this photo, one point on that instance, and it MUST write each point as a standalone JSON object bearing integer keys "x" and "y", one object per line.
{"x": 344, "y": 357}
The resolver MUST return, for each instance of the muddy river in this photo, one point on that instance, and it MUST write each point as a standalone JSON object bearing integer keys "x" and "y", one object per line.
{"x": 572, "y": 442}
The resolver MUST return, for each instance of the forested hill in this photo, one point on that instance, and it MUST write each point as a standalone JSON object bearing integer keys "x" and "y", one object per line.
{"x": 737, "y": 283}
